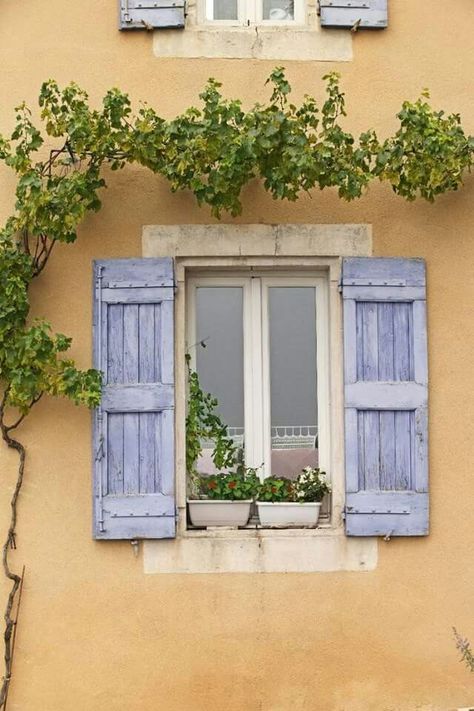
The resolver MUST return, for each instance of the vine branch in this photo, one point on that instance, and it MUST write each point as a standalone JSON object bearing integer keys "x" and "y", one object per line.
{"x": 8, "y": 544}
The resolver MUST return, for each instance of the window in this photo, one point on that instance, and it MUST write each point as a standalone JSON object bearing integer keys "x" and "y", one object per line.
{"x": 368, "y": 417}
{"x": 251, "y": 12}
{"x": 259, "y": 343}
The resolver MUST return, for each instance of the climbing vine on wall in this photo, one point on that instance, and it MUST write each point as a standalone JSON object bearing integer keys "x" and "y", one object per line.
{"x": 212, "y": 151}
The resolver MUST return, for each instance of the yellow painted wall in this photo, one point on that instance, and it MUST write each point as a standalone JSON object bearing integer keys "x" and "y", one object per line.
{"x": 95, "y": 633}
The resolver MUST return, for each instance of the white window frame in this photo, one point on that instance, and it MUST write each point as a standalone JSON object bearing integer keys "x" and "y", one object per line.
{"x": 250, "y": 13}
{"x": 257, "y": 407}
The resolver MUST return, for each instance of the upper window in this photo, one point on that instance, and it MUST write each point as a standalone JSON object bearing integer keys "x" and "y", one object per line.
{"x": 251, "y": 12}
{"x": 265, "y": 360}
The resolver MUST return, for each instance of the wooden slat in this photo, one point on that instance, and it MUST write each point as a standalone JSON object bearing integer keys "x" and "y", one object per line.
{"x": 403, "y": 448}
{"x": 384, "y": 294}
{"x": 148, "y": 465}
{"x": 142, "y": 397}
{"x": 403, "y": 327}
{"x": 137, "y": 296}
{"x": 385, "y": 341}
{"x": 147, "y": 359}
{"x": 113, "y": 354}
{"x": 409, "y": 272}
{"x": 385, "y": 396}
{"x": 115, "y": 463}
{"x": 387, "y": 450}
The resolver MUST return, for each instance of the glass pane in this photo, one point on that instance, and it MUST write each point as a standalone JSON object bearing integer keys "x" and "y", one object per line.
{"x": 221, "y": 10}
{"x": 220, "y": 365}
{"x": 293, "y": 379}
{"x": 278, "y": 10}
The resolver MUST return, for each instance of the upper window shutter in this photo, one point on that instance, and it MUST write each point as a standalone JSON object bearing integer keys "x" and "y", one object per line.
{"x": 134, "y": 425}
{"x": 370, "y": 14}
{"x": 385, "y": 366}
{"x": 151, "y": 14}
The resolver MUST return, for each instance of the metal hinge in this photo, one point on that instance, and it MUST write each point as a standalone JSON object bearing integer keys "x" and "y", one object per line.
{"x": 366, "y": 510}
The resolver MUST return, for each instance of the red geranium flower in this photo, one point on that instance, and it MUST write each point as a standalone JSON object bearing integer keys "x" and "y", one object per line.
{"x": 212, "y": 484}
{"x": 231, "y": 484}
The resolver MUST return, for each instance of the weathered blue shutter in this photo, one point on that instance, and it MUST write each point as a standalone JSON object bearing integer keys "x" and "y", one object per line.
{"x": 385, "y": 363}
{"x": 134, "y": 426}
{"x": 151, "y": 14}
{"x": 363, "y": 14}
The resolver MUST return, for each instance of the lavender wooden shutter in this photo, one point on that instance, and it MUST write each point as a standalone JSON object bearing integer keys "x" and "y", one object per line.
{"x": 151, "y": 14}
{"x": 134, "y": 426}
{"x": 385, "y": 362}
{"x": 361, "y": 14}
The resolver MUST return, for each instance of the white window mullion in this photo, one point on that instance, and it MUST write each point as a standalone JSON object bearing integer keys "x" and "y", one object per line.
{"x": 267, "y": 411}
{"x": 255, "y": 453}
{"x": 322, "y": 359}
{"x": 209, "y": 9}
{"x": 251, "y": 13}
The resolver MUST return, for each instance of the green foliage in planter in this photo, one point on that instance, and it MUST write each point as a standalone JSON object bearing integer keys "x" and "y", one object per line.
{"x": 311, "y": 485}
{"x": 232, "y": 486}
{"x": 276, "y": 490}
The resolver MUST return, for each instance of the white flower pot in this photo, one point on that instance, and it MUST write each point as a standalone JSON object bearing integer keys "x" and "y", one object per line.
{"x": 208, "y": 512}
{"x": 289, "y": 514}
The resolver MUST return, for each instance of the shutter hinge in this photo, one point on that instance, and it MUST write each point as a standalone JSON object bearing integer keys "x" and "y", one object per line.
{"x": 339, "y": 286}
{"x": 100, "y": 449}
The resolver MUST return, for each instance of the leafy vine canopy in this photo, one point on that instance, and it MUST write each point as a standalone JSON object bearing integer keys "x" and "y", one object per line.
{"x": 212, "y": 151}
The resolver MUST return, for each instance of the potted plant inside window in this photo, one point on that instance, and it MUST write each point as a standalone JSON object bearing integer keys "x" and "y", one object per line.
{"x": 224, "y": 499}
{"x": 221, "y": 499}
{"x": 283, "y": 503}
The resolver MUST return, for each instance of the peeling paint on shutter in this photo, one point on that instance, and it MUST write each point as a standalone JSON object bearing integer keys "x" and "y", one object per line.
{"x": 151, "y": 14}
{"x": 134, "y": 425}
{"x": 363, "y": 14}
{"x": 385, "y": 363}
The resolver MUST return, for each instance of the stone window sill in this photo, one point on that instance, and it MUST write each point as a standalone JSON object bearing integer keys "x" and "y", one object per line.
{"x": 255, "y": 42}
{"x": 324, "y": 549}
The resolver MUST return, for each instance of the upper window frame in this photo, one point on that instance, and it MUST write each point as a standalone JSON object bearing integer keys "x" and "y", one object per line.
{"x": 250, "y": 14}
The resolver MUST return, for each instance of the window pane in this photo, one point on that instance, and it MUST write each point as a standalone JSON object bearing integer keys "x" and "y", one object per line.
{"x": 221, "y": 10}
{"x": 293, "y": 379}
{"x": 220, "y": 365}
{"x": 278, "y": 10}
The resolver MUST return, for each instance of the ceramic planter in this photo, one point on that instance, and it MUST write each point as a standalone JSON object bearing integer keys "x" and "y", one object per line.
{"x": 288, "y": 514}
{"x": 207, "y": 512}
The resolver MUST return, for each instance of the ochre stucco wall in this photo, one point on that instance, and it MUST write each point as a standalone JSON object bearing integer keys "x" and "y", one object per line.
{"x": 95, "y": 632}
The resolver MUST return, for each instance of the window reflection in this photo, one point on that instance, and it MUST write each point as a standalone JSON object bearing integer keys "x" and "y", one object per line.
{"x": 293, "y": 379}
{"x": 278, "y": 10}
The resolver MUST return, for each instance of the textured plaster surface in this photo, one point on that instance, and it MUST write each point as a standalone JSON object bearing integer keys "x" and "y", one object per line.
{"x": 95, "y": 632}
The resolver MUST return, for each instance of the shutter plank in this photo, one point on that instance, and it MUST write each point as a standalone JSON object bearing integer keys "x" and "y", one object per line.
{"x": 403, "y": 347}
{"x": 113, "y": 351}
{"x": 386, "y": 406}
{"x": 386, "y": 341}
{"x": 387, "y": 451}
{"x": 115, "y": 461}
{"x": 368, "y": 348}
{"x": 149, "y": 425}
{"x": 371, "y": 429}
{"x": 166, "y": 453}
{"x": 404, "y": 436}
